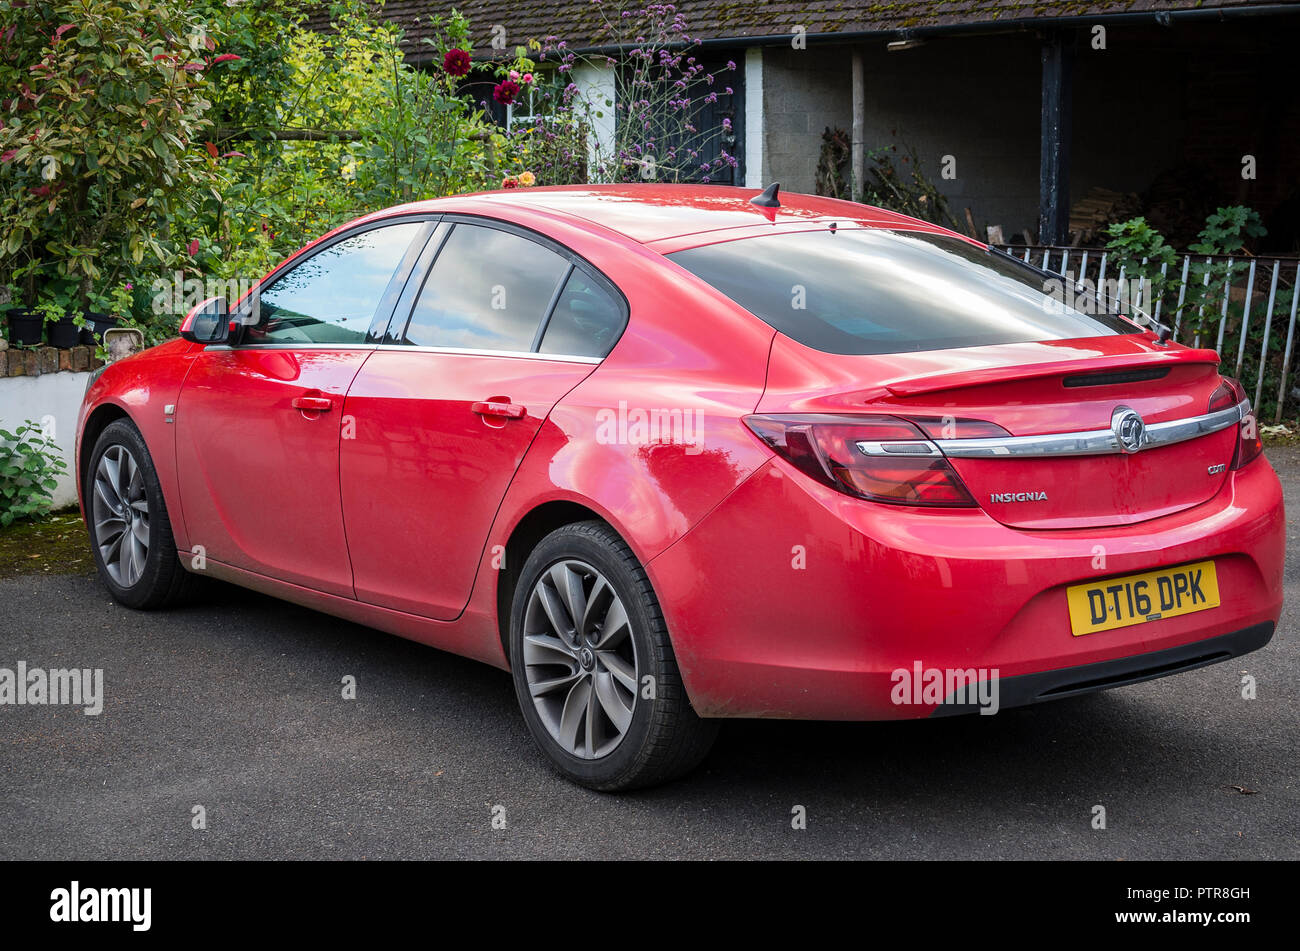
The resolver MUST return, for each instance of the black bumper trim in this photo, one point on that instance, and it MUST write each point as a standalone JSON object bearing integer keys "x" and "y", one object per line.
{"x": 1088, "y": 678}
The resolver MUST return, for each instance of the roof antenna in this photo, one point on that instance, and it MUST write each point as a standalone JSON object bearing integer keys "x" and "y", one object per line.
{"x": 768, "y": 199}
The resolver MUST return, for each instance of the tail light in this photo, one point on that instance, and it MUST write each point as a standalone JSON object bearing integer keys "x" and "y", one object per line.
{"x": 880, "y": 458}
{"x": 1249, "y": 444}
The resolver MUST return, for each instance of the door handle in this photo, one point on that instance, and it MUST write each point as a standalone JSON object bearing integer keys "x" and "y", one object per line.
{"x": 492, "y": 408}
{"x": 319, "y": 404}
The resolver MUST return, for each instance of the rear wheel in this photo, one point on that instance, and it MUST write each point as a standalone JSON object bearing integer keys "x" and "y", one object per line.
{"x": 593, "y": 667}
{"x": 130, "y": 534}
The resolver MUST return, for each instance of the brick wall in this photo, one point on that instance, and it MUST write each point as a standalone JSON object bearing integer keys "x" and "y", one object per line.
{"x": 40, "y": 360}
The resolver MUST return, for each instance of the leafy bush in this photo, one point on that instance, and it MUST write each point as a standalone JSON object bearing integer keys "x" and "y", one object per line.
{"x": 29, "y": 470}
{"x": 335, "y": 125}
{"x": 1141, "y": 251}
{"x": 661, "y": 92}
{"x": 98, "y": 145}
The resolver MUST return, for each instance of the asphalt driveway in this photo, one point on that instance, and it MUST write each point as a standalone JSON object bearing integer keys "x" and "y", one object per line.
{"x": 234, "y": 705}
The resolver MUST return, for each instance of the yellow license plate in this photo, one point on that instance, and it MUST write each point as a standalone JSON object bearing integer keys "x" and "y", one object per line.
{"x": 1135, "y": 599}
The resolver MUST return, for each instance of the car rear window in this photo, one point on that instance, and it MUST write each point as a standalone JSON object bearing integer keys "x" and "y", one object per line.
{"x": 856, "y": 291}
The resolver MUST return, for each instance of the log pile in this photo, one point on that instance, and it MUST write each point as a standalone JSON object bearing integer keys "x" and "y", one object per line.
{"x": 1100, "y": 207}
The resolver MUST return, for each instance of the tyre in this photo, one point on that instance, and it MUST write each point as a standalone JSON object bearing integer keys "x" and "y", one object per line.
{"x": 593, "y": 668}
{"x": 126, "y": 516}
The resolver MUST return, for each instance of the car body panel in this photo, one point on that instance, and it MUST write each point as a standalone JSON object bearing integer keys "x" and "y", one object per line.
{"x": 863, "y": 590}
{"x": 140, "y": 388}
{"x": 259, "y": 479}
{"x": 420, "y": 462}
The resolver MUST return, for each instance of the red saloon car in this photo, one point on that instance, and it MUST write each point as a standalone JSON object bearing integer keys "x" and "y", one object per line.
{"x": 672, "y": 454}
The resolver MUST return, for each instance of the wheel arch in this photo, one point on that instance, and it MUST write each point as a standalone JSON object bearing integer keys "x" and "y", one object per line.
{"x": 96, "y": 422}
{"x": 539, "y": 522}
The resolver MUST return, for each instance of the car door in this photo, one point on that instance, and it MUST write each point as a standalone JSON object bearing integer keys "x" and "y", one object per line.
{"x": 259, "y": 420}
{"x": 501, "y": 327}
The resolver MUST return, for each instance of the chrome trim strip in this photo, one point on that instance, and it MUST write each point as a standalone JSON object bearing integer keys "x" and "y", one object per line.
{"x": 524, "y": 354}
{"x": 1094, "y": 442}
{"x": 527, "y": 355}
{"x": 912, "y": 447}
{"x": 289, "y": 346}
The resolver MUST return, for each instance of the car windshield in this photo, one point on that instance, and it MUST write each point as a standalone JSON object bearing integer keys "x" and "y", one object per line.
{"x": 857, "y": 291}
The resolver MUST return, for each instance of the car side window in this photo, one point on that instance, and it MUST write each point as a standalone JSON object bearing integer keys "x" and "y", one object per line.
{"x": 587, "y": 319}
{"x": 487, "y": 290}
{"x": 332, "y": 296}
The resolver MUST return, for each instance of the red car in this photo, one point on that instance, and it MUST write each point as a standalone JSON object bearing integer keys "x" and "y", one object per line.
{"x": 671, "y": 454}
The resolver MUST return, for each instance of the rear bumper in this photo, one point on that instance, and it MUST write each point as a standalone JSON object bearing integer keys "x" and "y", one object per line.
{"x": 792, "y": 600}
{"x": 1089, "y": 678}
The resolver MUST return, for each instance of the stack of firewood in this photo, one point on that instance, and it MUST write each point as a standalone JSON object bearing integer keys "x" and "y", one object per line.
{"x": 1099, "y": 208}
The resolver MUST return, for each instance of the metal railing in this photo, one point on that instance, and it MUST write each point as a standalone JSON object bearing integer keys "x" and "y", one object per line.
{"x": 1212, "y": 297}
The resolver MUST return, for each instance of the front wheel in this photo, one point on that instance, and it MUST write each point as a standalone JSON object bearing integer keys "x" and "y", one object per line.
{"x": 593, "y": 667}
{"x": 130, "y": 534}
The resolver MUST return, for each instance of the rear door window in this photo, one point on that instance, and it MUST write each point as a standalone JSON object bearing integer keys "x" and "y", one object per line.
{"x": 862, "y": 291}
{"x": 587, "y": 319}
{"x": 488, "y": 290}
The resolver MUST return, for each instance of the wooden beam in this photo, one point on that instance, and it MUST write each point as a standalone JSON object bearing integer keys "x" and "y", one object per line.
{"x": 858, "y": 143}
{"x": 1054, "y": 156}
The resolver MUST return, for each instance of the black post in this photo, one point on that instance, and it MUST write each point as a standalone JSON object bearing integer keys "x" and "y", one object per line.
{"x": 1054, "y": 158}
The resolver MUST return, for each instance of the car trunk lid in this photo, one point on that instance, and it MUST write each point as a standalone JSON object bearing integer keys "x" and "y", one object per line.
{"x": 1034, "y": 390}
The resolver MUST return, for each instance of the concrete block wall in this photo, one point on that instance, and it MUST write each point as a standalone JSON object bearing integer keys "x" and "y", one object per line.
{"x": 940, "y": 98}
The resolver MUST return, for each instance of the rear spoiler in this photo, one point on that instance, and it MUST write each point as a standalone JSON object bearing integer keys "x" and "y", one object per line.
{"x": 1127, "y": 361}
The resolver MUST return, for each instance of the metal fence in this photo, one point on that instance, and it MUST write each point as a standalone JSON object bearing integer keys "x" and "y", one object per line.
{"x": 1247, "y": 304}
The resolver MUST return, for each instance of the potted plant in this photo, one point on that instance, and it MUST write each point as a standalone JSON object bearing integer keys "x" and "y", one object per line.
{"x": 25, "y": 324}
{"x": 110, "y": 309}
{"x": 24, "y": 327}
{"x": 55, "y": 309}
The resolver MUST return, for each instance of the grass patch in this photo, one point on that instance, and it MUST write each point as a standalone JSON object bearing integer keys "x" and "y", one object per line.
{"x": 56, "y": 545}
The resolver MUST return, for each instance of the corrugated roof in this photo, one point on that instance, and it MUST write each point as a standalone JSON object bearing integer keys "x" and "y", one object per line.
{"x": 585, "y": 23}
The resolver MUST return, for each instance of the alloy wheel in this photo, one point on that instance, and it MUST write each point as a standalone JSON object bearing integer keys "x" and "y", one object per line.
{"x": 120, "y": 509}
{"x": 580, "y": 659}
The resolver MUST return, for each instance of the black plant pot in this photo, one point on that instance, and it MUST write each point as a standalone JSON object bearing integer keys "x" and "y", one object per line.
{"x": 99, "y": 323}
{"x": 24, "y": 327}
{"x": 63, "y": 333}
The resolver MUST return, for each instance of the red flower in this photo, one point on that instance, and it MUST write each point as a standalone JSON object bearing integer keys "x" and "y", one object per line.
{"x": 509, "y": 183}
{"x": 456, "y": 62}
{"x": 506, "y": 92}
{"x": 194, "y": 247}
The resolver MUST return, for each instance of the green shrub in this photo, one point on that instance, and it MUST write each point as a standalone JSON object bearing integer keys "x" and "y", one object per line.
{"x": 30, "y": 465}
{"x": 100, "y": 152}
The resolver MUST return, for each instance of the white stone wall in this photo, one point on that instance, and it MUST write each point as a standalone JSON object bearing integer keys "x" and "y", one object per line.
{"x": 51, "y": 400}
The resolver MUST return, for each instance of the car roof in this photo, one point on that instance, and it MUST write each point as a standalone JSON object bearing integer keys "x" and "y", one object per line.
{"x": 672, "y": 216}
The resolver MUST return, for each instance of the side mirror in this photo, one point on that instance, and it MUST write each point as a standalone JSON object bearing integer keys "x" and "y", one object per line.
{"x": 207, "y": 323}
